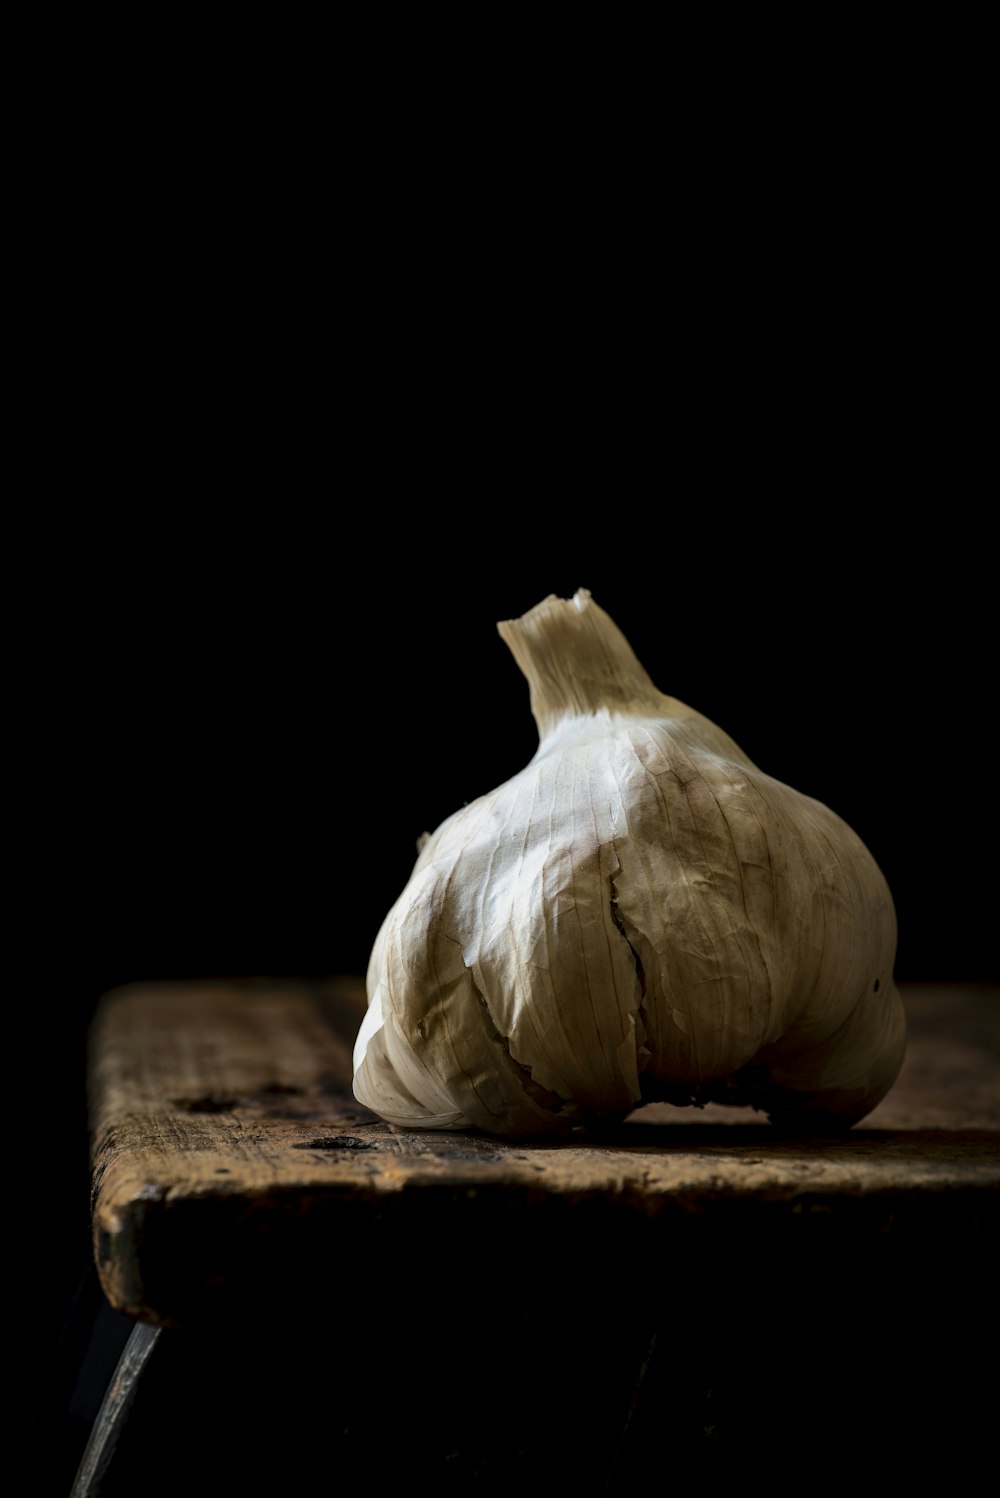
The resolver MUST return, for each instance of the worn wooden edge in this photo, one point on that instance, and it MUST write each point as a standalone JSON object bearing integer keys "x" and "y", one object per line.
{"x": 202, "y": 1208}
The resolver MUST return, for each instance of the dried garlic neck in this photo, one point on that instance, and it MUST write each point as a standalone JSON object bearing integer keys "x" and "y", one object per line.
{"x": 577, "y": 661}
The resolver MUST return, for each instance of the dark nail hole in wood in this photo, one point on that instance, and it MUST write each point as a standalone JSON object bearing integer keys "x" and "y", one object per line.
{"x": 335, "y": 1142}
{"x": 222, "y": 1170}
{"x": 211, "y": 1103}
{"x": 876, "y": 985}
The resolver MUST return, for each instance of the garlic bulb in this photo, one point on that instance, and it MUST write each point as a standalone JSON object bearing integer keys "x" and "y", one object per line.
{"x": 641, "y": 914}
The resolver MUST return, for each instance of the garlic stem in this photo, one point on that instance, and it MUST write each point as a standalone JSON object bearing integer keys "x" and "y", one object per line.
{"x": 577, "y": 661}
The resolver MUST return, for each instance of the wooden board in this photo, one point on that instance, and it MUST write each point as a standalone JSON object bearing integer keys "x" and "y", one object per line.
{"x": 233, "y": 1167}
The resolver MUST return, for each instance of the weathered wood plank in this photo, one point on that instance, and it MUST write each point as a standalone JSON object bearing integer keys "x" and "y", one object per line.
{"x": 231, "y": 1159}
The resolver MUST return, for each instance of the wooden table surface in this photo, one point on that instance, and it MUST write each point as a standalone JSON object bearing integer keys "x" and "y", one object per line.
{"x": 233, "y": 1167}
{"x": 228, "y": 1149}
{"x": 690, "y": 1298}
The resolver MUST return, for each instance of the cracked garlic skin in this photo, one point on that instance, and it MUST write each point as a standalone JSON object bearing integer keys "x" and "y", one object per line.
{"x": 641, "y": 914}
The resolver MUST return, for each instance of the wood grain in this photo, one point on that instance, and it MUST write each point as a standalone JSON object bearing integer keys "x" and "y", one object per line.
{"x": 232, "y": 1165}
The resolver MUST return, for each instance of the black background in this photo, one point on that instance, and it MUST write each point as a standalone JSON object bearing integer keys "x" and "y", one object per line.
{"x": 261, "y": 722}
{"x": 262, "y": 736}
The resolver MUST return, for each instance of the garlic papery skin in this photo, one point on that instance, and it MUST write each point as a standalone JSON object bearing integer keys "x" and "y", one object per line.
{"x": 640, "y": 914}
